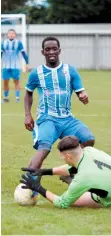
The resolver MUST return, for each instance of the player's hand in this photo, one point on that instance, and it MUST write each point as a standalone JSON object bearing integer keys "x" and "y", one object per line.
{"x": 83, "y": 97}
{"x": 29, "y": 122}
{"x": 37, "y": 172}
{"x": 30, "y": 183}
{"x": 28, "y": 67}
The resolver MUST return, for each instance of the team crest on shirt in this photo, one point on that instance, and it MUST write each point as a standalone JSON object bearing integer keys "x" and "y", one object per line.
{"x": 64, "y": 72}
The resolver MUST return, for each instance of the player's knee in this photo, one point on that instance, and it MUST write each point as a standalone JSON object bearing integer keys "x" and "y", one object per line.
{"x": 46, "y": 146}
{"x": 17, "y": 82}
{"x": 88, "y": 143}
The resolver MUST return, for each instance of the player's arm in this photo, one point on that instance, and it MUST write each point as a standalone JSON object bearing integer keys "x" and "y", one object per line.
{"x": 25, "y": 56}
{"x": 77, "y": 86}
{"x": 83, "y": 96}
{"x": 76, "y": 189}
{"x": 63, "y": 170}
{"x": 28, "y": 99}
{"x": 2, "y": 49}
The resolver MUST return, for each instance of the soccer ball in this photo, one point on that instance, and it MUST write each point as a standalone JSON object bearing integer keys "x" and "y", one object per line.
{"x": 24, "y": 196}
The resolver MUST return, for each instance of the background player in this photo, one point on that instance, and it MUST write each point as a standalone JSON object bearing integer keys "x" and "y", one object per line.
{"x": 55, "y": 82}
{"x": 90, "y": 186}
{"x": 10, "y": 50}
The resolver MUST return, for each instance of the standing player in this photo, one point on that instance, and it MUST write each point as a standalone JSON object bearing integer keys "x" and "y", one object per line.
{"x": 91, "y": 186}
{"x": 10, "y": 50}
{"x": 55, "y": 82}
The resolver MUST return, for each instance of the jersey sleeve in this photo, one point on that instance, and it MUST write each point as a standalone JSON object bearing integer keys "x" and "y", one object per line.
{"x": 2, "y": 47}
{"x": 72, "y": 170}
{"x": 32, "y": 81}
{"x": 76, "y": 189}
{"x": 21, "y": 47}
{"x": 22, "y": 50}
{"x": 76, "y": 81}
{"x": 25, "y": 56}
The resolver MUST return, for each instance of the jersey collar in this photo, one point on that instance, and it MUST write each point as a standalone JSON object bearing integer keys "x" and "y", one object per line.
{"x": 80, "y": 161}
{"x": 49, "y": 68}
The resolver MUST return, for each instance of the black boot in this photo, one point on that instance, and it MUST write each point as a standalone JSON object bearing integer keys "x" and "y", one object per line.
{"x": 5, "y": 100}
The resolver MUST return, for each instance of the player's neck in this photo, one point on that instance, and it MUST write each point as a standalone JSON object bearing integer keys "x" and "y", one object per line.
{"x": 53, "y": 65}
{"x": 11, "y": 39}
{"x": 77, "y": 157}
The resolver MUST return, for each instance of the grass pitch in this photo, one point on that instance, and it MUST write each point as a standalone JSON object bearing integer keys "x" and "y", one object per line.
{"x": 44, "y": 218}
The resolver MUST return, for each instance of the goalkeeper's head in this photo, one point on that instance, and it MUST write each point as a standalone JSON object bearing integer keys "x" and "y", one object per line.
{"x": 70, "y": 150}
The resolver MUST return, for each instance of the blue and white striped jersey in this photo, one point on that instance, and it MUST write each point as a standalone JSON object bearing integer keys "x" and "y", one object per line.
{"x": 55, "y": 87}
{"x": 11, "y": 53}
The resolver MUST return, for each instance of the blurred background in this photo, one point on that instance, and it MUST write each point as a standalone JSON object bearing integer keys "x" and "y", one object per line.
{"x": 83, "y": 28}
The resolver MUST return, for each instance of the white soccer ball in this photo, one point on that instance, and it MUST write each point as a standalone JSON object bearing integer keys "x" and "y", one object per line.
{"x": 24, "y": 196}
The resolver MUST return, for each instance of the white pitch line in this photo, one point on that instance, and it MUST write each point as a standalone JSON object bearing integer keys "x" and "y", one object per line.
{"x": 12, "y": 114}
{"x": 13, "y": 202}
{"x": 101, "y": 101}
{"x": 7, "y": 202}
{"x": 89, "y": 115}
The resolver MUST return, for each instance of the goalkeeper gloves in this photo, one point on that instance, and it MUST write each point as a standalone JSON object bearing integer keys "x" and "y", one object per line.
{"x": 30, "y": 183}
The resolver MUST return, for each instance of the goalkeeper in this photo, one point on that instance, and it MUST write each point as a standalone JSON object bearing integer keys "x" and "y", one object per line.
{"x": 91, "y": 185}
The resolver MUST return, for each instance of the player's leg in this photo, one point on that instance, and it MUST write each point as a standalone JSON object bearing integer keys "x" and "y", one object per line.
{"x": 84, "y": 134}
{"x": 86, "y": 200}
{"x": 74, "y": 127}
{"x": 16, "y": 79}
{"x": 44, "y": 135}
{"x": 6, "y": 76}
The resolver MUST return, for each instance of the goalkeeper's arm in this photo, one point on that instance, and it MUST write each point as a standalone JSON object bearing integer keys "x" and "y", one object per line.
{"x": 60, "y": 170}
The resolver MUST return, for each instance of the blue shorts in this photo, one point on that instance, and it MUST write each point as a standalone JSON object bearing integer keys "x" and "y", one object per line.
{"x": 10, "y": 73}
{"x": 48, "y": 129}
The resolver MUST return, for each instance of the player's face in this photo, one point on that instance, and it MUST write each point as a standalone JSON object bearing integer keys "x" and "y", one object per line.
{"x": 11, "y": 35}
{"x": 51, "y": 52}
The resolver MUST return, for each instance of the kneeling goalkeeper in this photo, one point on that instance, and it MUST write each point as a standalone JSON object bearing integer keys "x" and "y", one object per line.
{"x": 91, "y": 185}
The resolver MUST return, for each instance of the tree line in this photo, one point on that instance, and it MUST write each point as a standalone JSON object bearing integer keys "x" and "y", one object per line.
{"x": 61, "y": 11}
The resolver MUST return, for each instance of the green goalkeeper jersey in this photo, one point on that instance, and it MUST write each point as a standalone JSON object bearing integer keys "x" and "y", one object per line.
{"x": 93, "y": 175}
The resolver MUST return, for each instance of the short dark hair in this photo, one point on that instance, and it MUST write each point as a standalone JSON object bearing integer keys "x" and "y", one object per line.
{"x": 68, "y": 143}
{"x": 50, "y": 38}
{"x": 12, "y": 30}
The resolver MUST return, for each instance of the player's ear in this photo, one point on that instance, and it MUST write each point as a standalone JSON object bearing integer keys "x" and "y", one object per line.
{"x": 42, "y": 51}
{"x": 59, "y": 50}
{"x": 68, "y": 156}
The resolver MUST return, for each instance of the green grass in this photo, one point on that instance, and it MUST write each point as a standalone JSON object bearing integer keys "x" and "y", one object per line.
{"x": 17, "y": 150}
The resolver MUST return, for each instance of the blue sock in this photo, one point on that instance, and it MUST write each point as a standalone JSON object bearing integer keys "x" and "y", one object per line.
{"x": 34, "y": 177}
{"x": 6, "y": 93}
{"x": 34, "y": 192}
{"x": 17, "y": 93}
